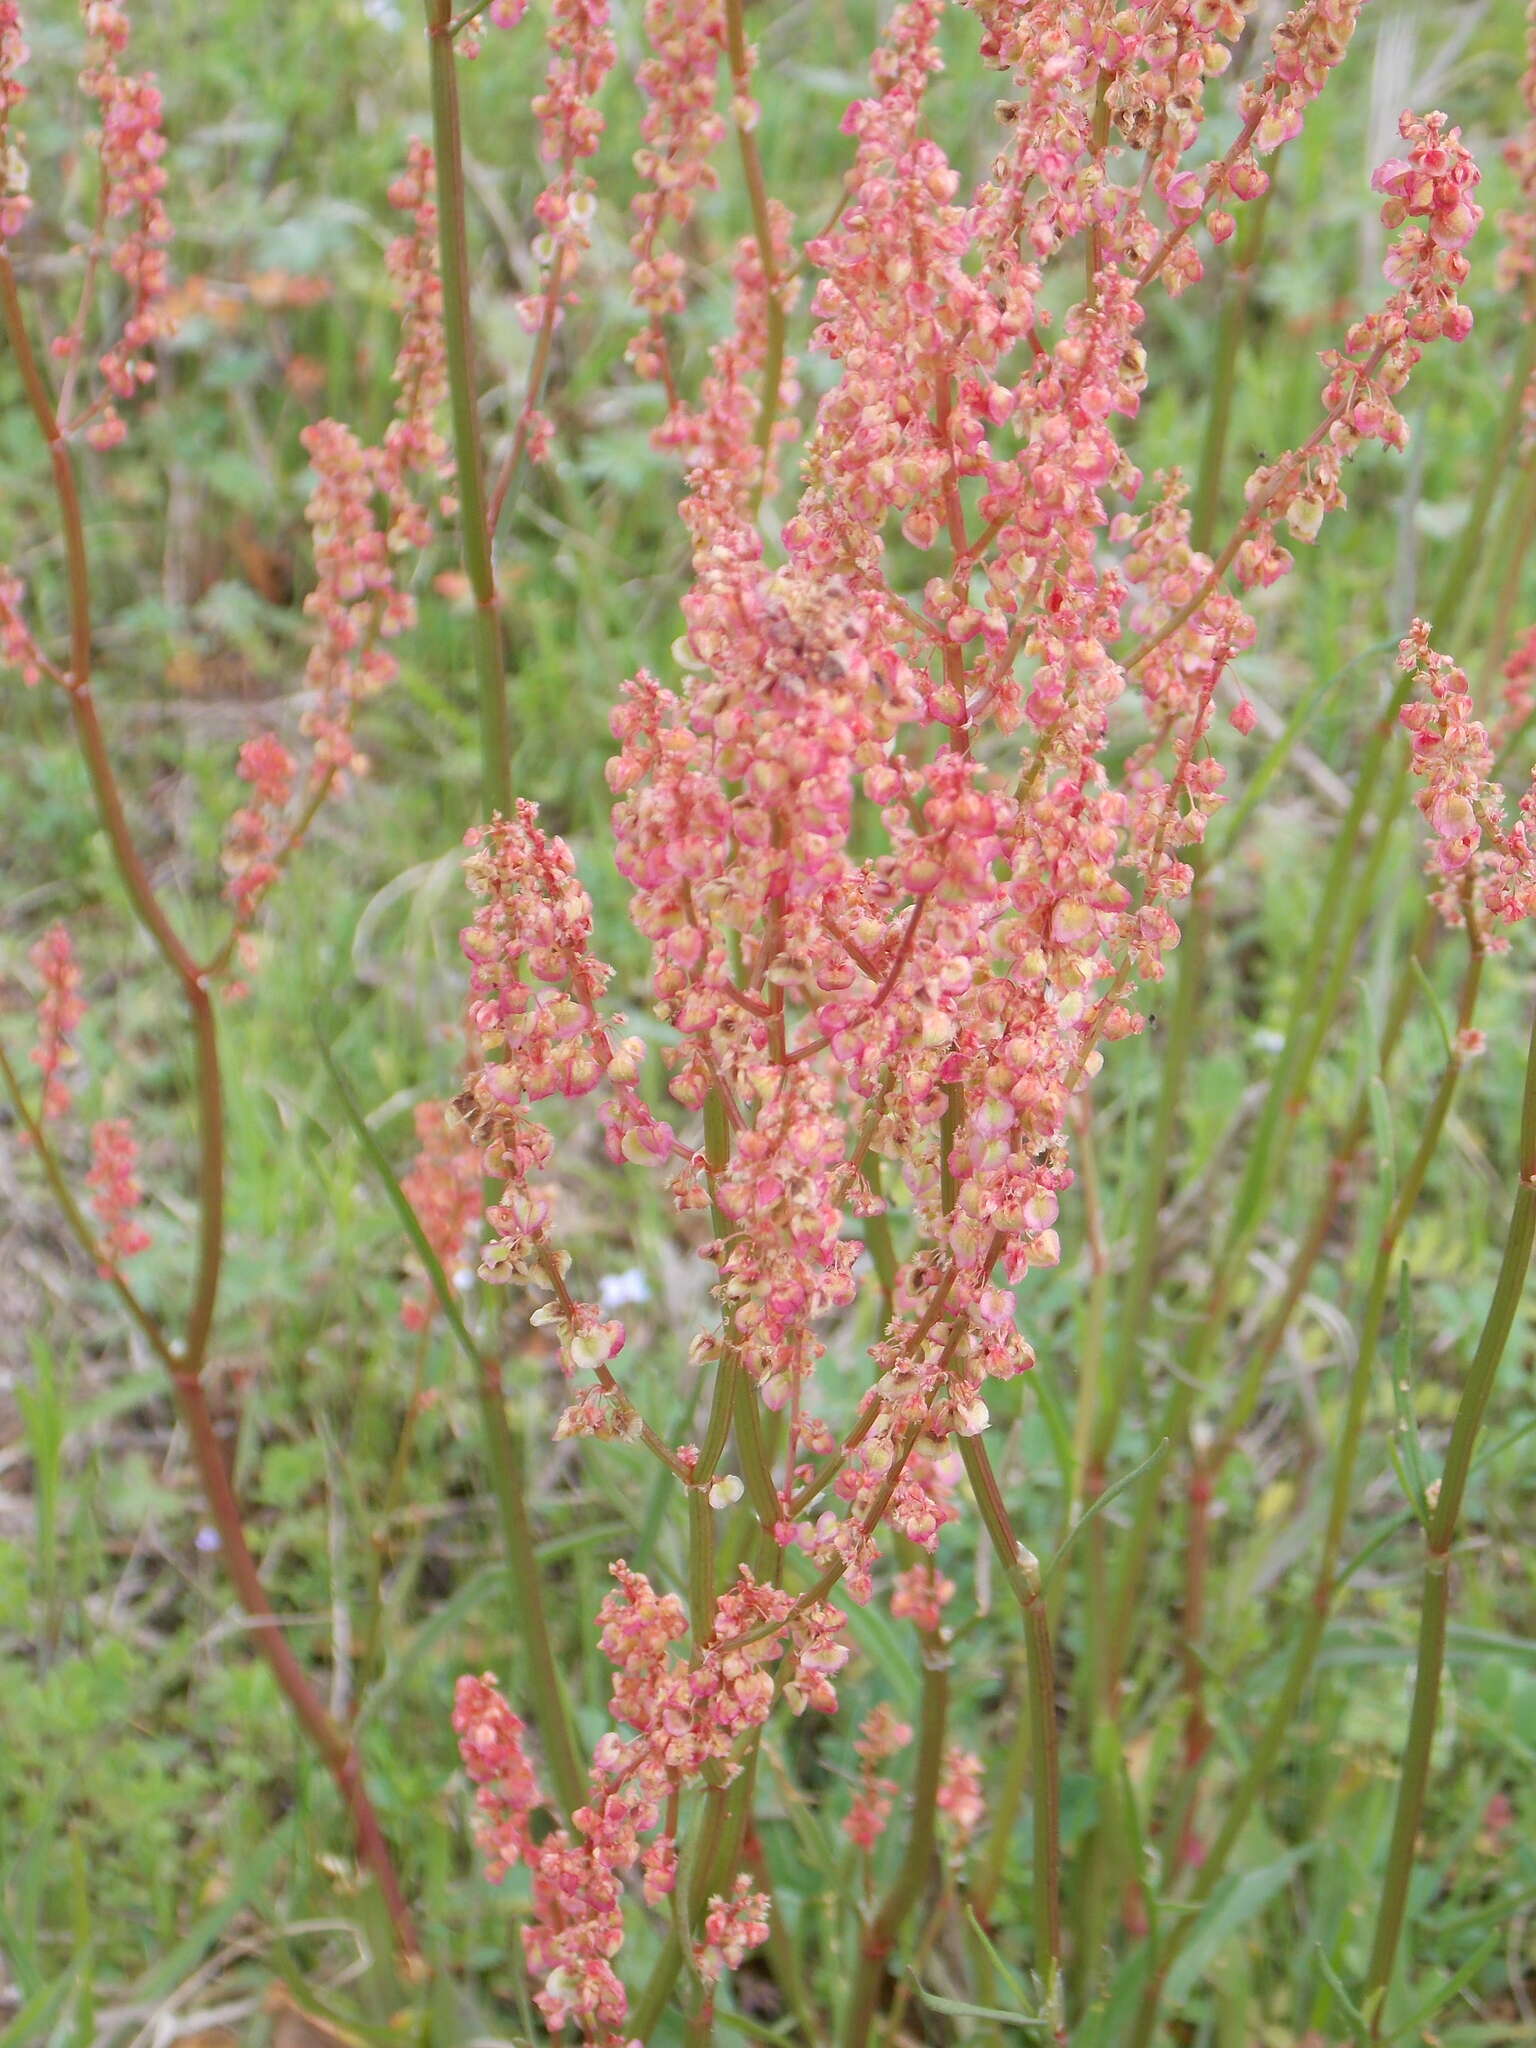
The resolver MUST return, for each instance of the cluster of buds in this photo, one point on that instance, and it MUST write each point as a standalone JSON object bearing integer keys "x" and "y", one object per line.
{"x": 685, "y": 1718}
{"x": 59, "y": 1012}
{"x": 253, "y": 843}
{"x": 681, "y": 129}
{"x": 1428, "y": 201}
{"x": 112, "y": 1177}
{"x": 443, "y": 1189}
{"x": 365, "y": 514}
{"x": 414, "y": 443}
{"x": 581, "y": 54}
{"x": 14, "y": 202}
{"x": 880, "y": 1737}
{"x": 500, "y": 14}
{"x": 131, "y": 143}
{"x": 536, "y": 990}
{"x": 1483, "y": 867}
{"x": 947, "y": 996}
{"x": 115, "y": 1192}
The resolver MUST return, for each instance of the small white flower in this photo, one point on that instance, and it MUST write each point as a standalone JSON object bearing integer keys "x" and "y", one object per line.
{"x": 623, "y": 1290}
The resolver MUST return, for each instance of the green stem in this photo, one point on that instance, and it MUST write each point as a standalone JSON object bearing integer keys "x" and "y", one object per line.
{"x": 1440, "y": 1538}
{"x": 883, "y": 1932}
{"x": 1229, "y": 339}
{"x": 739, "y": 58}
{"x": 540, "y": 1671}
{"x": 187, "y": 1356}
{"x": 1147, "y": 1233}
{"x": 474, "y": 525}
{"x": 1005, "y": 1802}
{"x": 1461, "y": 570}
{"x": 1267, "y": 1750}
{"x": 1021, "y": 1569}
{"x": 1341, "y": 913}
{"x": 1520, "y": 518}
{"x": 74, "y": 1216}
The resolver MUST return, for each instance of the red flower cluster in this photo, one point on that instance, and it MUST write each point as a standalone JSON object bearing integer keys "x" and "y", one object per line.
{"x": 684, "y": 1718}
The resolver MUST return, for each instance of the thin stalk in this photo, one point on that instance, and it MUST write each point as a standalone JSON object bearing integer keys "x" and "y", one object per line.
{"x": 782, "y": 1952}
{"x": 1229, "y": 340}
{"x": 1340, "y": 916}
{"x": 689, "y": 1893}
{"x": 739, "y": 59}
{"x": 1021, "y": 1569}
{"x": 1461, "y": 570}
{"x": 1095, "y": 1311}
{"x": 1281, "y": 1722}
{"x": 502, "y": 1449}
{"x": 75, "y": 1217}
{"x": 884, "y": 1931}
{"x": 458, "y": 339}
{"x": 1101, "y": 1660}
{"x": 504, "y": 1453}
{"x": 540, "y": 1671}
{"x": 1147, "y": 1232}
{"x": 1439, "y": 1541}
{"x": 334, "y": 1746}
{"x": 1005, "y": 1802}
{"x": 1521, "y": 514}
{"x": 187, "y": 1356}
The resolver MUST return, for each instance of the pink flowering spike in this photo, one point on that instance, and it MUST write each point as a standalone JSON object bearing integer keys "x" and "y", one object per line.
{"x": 115, "y": 1192}
{"x": 733, "y": 1927}
{"x": 1450, "y": 751}
{"x": 415, "y": 446}
{"x": 130, "y": 144}
{"x": 1517, "y": 259}
{"x": 357, "y": 601}
{"x": 18, "y": 645}
{"x": 443, "y": 1189}
{"x": 581, "y": 54}
{"x": 1429, "y": 203}
{"x": 681, "y": 128}
{"x": 534, "y": 1007}
{"x": 491, "y": 1744}
{"x": 960, "y": 1799}
{"x": 14, "y": 202}
{"x": 254, "y": 840}
{"x": 881, "y": 1736}
{"x": 59, "y": 1012}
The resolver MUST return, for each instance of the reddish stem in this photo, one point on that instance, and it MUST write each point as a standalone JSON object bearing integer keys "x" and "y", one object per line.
{"x": 191, "y": 1351}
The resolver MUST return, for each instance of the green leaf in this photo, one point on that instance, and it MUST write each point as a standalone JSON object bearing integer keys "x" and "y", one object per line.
{"x": 1340, "y": 1990}
{"x": 1412, "y": 2028}
{"x": 36, "y": 2018}
{"x": 957, "y": 2008}
{"x": 1436, "y": 1007}
{"x": 1097, "y": 1506}
{"x": 1234, "y": 1905}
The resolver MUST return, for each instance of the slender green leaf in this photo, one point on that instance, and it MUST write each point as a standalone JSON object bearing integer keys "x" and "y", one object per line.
{"x": 1237, "y": 1902}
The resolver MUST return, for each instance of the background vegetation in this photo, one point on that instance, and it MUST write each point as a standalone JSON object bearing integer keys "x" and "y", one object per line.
{"x": 168, "y": 1848}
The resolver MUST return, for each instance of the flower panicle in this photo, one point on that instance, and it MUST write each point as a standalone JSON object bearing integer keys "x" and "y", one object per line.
{"x": 130, "y": 144}
{"x": 443, "y": 1188}
{"x": 60, "y": 1010}
{"x": 1482, "y": 865}
{"x": 684, "y": 1718}
{"x": 15, "y": 202}
{"x": 115, "y": 1193}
